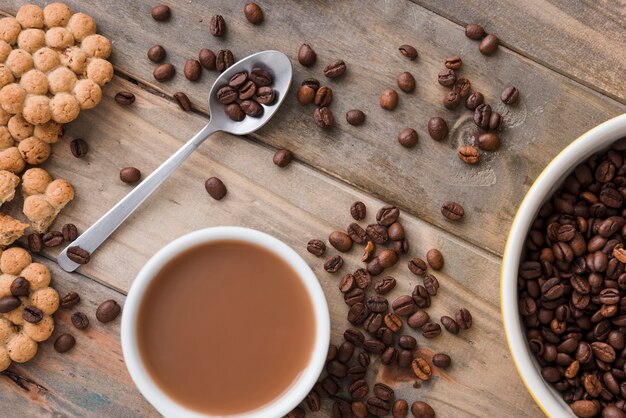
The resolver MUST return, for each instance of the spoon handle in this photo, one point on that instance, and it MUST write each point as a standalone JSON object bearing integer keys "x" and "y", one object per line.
{"x": 91, "y": 239}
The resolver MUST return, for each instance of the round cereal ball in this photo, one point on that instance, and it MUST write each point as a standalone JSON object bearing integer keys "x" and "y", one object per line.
{"x": 13, "y": 260}
{"x": 59, "y": 192}
{"x": 5, "y": 283}
{"x": 46, "y": 59}
{"x": 88, "y": 93}
{"x": 59, "y": 38}
{"x": 34, "y": 82}
{"x": 75, "y": 59}
{"x": 6, "y": 76}
{"x": 35, "y": 181}
{"x": 20, "y": 128}
{"x": 19, "y": 61}
{"x": 12, "y": 98}
{"x": 61, "y": 79}
{"x": 21, "y": 348}
{"x": 56, "y": 14}
{"x": 9, "y": 29}
{"x": 37, "y": 275}
{"x": 34, "y": 151}
{"x": 6, "y": 140}
{"x": 5, "y": 49}
{"x": 4, "y": 117}
{"x": 30, "y": 16}
{"x": 49, "y": 132}
{"x": 37, "y": 110}
{"x": 40, "y": 331}
{"x": 65, "y": 107}
{"x": 5, "y": 360}
{"x": 46, "y": 299}
{"x": 100, "y": 71}
{"x": 96, "y": 46}
{"x": 11, "y": 160}
{"x": 81, "y": 26}
{"x": 37, "y": 207}
{"x": 31, "y": 40}
{"x": 6, "y": 330}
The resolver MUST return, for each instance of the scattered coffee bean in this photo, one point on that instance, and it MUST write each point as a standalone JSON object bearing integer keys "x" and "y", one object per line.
{"x": 125, "y": 98}
{"x": 312, "y": 82}
{"x": 80, "y": 320}
{"x": 387, "y": 258}
{"x": 265, "y": 95}
{"x": 389, "y": 99}
{"x": 354, "y": 296}
{"x": 442, "y": 360}
{"x": 356, "y": 233}
{"x": 359, "y": 409}
{"x": 156, "y": 53}
{"x": 20, "y": 286}
{"x": 474, "y": 31}
{"x": 108, "y": 311}
{"x": 452, "y": 211}
{"x": 52, "y": 238}
{"x": 408, "y": 51}
{"x": 64, "y": 343}
{"x": 192, "y": 70}
{"x": 395, "y": 231}
{"x": 316, "y": 247}
{"x": 164, "y": 72}
{"x": 417, "y": 266}
{"x": 306, "y": 55}
{"x": 130, "y": 175}
{"x": 354, "y": 336}
{"x": 482, "y": 114}
{"x": 408, "y": 137}
{"x": 335, "y": 69}
{"x": 421, "y": 409}
{"x": 474, "y": 100}
{"x": 400, "y": 409}
{"x": 70, "y": 300}
{"x": 323, "y": 96}
{"x": 347, "y": 283}
{"x": 453, "y": 62}
{"x": 495, "y": 120}
{"x": 387, "y": 215}
{"x": 403, "y": 305}
{"x": 431, "y": 330}
{"x": 305, "y": 95}
{"x": 488, "y": 141}
{"x": 383, "y": 391}
{"x": 449, "y": 324}
{"x": 70, "y": 232}
{"x": 407, "y": 342}
{"x": 215, "y": 188}
{"x": 251, "y": 108}
{"x": 437, "y": 128}
{"x": 401, "y": 246}
{"x": 421, "y": 369}
{"x": 355, "y": 117}
{"x": 313, "y": 401}
{"x": 78, "y": 255}
{"x": 488, "y": 45}
{"x": 378, "y": 407}
{"x": 207, "y": 58}
{"x": 418, "y": 319}
{"x": 323, "y": 117}
{"x": 451, "y": 100}
{"x": 35, "y": 243}
{"x": 234, "y": 112}
{"x": 183, "y": 101}
{"x": 406, "y": 82}
{"x": 463, "y": 87}
{"x": 431, "y": 284}
{"x": 393, "y": 322}
{"x": 509, "y": 95}
{"x": 434, "y": 259}
{"x": 463, "y": 318}
{"x": 32, "y": 315}
{"x": 253, "y": 13}
{"x": 469, "y": 154}
{"x": 358, "y": 211}
{"x": 377, "y": 233}
{"x": 333, "y": 264}
{"x": 79, "y": 147}
{"x": 340, "y": 240}
{"x": 217, "y": 25}
{"x": 359, "y": 389}
{"x": 446, "y": 77}
{"x": 421, "y": 296}
{"x": 282, "y": 157}
{"x": 224, "y": 59}
{"x": 161, "y": 13}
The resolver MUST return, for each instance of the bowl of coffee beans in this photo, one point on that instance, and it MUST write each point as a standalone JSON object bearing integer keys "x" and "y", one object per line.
{"x": 563, "y": 289}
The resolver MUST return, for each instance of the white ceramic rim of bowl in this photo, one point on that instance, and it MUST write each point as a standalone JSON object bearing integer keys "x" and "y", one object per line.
{"x": 296, "y": 392}
{"x": 597, "y": 139}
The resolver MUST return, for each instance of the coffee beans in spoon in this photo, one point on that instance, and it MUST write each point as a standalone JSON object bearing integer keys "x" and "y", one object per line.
{"x": 247, "y": 93}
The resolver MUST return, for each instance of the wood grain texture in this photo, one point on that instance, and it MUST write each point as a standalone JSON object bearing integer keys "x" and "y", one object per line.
{"x": 553, "y": 110}
{"x": 294, "y": 204}
{"x": 584, "y": 40}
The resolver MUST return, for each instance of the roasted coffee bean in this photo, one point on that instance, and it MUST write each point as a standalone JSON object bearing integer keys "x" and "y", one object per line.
{"x": 408, "y": 137}
{"x": 434, "y": 259}
{"x": 282, "y": 158}
{"x": 253, "y": 13}
{"x": 393, "y": 322}
{"x": 356, "y": 233}
{"x": 374, "y": 267}
{"x": 235, "y": 112}
{"x": 8, "y": 303}
{"x": 20, "y": 286}
{"x": 358, "y": 211}
{"x": 311, "y": 82}
{"x": 368, "y": 251}
{"x": 354, "y": 296}
{"x": 362, "y": 278}
{"x": 183, "y": 101}
{"x": 509, "y": 95}
{"x": 264, "y": 95}
{"x": 125, "y": 98}
{"x": 224, "y": 59}
{"x": 52, "y": 238}
{"x": 387, "y": 215}
{"x": 469, "y": 154}
{"x": 335, "y": 69}
{"x": 78, "y": 255}
{"x": 446, "y": 77}
{"x": 333, "y": 264}
{"x": 378, "y": 407}
{"x": 161, "y": 13}
{"x": 377, "y": 304}
{"x": 80, "y": 320}
{"x": 359, "y": 389}
{"x": 418, "y": 319}
{"x": 330, "y": 385}
{"x": 407, "y": 342}
{"x": 373, "y": 322}
{"x": 387, "y": 258}
{"x": 463, "y": 87}
{"x": 323, "y": 117}
{"x": 374, "y": 346}
{"x": 474, "y": 31}
{"x": 463, "y": 318}
{"x": 383, "y": 391}
{"x": 108, "y": 311}
{"x": 316, "y": 247}
{"x": 481, "y": 116}
{"x": 79, "y": 147}
{"x": 323, "y": 96}
{"x": 164, "y": 72}
{"x": 355, "y": 117}
{"x": 297, "y": 412}
{"x": 217, "y": 25}
{"x": 437, "y": 128}
{"x": 403, "y": 305}
{"x": 70, "y": 300}
{"x": 421, "y": 368}
{"x": 384, "y": 285}
{"x": 417, "y": 266}
{"x": 358, "y": 313}
{"x": 495, "y": 120}
{"x": 306, "y": 55}
{"x": 406, "y": 82}
{"x": 488, "y": 45}
{"x": 347, "y": 283}
{"x": 130, "y": 175}
{"x": 313, "y": 401}
{"x": 207, "y": 58}
{"x": 474, "y": 100}
{"x": 452, "y": 211}
{"x": 364, "y": 359}
{"x": 238, "y": 80}
{"x": 395, "y": 231}
{"x": 421, "y": 297}
{"x": 377, "y": 233}
{"x": 35, "y": 243}
{"x": 401, "y": 246}
{"x": 442, "y": 360}
{"x": 192, "y": 70}
{"x": 385, "y": 335}
{"x": 251, "y": 108}
{"x": 156, "y": 53}
{"x": 488, "y": 141}
{"x": 452, "y": 100}
{"x": 64, "y": 343}
{"x": 400, "y": 409}
{"x": 388, "y": 99}
{"x": 337, "y": 369}
{"x": 585, "y": 408}
{"x": 421, "y": 409}
{"x": 431, "y": 284}
{"x": 346, "y": 350}
{"x": 431, "y": 330}
{"x": 226, "y": 95}
{"x": 357, "y": 372}
{"x": 449, "y": 324}
{"x": 359, "y": 409}
{"x": 453, "y": 62}
{"x": 354, "y": 336}
{"x": 305, "y": 95}
{"x": 408, "y": 51}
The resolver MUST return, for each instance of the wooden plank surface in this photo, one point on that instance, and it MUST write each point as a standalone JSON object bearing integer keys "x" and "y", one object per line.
{"x": 553, "y": 111}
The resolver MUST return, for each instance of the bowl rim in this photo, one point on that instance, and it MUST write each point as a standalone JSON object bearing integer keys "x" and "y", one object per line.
{"x": 551, "y": 176}
{"x": 293, "y": 394}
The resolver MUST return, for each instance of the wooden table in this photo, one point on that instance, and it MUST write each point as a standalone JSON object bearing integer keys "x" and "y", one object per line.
{"x": 567, "y": 59}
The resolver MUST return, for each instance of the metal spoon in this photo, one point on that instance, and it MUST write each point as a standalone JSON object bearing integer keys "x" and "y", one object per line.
{"x": 275, "y": 62}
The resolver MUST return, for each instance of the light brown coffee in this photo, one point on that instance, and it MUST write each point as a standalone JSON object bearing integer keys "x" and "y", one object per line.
{"x": 226, "y": 327}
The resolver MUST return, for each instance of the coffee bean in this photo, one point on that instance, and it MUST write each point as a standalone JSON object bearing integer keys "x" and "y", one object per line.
{"x": 408, "y": 51}
{"x": 313, "y": 401}
{"x": 495, "y": 120}
{"x": 446, "y": 77}
{"x": 333, "y": 264}
{"x": 488, "y": 45}
{"x": 387, "y": 215}
{"x": 356, "y": 233}
{"x": 355, "y": 117}
{"x": 358, "y": 313}
{"x": 125, "y": 98}
{"x": 401, "y": 246}
{"x": 70, "y": 300}
{"x": 347, "y": 283}
{"x": 509, "y": 95}
{"x": 421, "y": 296}
{"x": 234, "y": 112}
{"x": 354, "y": 296}
{"x": 437, "y": 128}
{"x": 377, "y": 233}
{"x": 418, "y": 319}
{"x": 156, "y": 53}
{"x": 378, "y": 407}
{"x": 434, "y": 259}
{"x": 482, "y": 114}
{"x": 64, "y": 343}
{"x": 224, "y": 59}
{"x": 340, "y": 240}
{"x": 377, "y": 304}
{"x": 251, "y": 108}
{"x": 226, "y": 95}
{"x": 183, "y": 101}
{"x": 282, "y": 158}
{"x": 431, "y": 330}
{"x": 78, "y": 255}
{"x": 421, "y": 369}
{"x": 335, "y": 69}
{"x": 400, "y": 409}
{"x": 384, "y": 285}
{"x": 238, "y": 80}
{"x": 452, "y": 211}
{"x": 403, "y": 305}
{"x": 264, "y": 95}
{"x": 453, "y": 62}
{"x": 130, "y": 175}
{"x": 374, "y": 346}
{"x": 207, "y": 58}
{"x": 431, "y": 284}
{"x": 441, "y": 360}
{"x": 306, "y": 55}
{"x": 316, "y": 247}
{"x": 417, "y": 266}
{"x": 362, "y": 279}
{"x": 311, "y": 82}
{"x": 373, "y": 322}
{"x": 164, "y": 72}
{"x": 215, "y": 188}
{"x": 305, "y": 95}
{"x": 80, "y": 320}
{"x": 387, "y": 258}
{"x": 474, "y": 31}
{"x": 383, "y": 391}
{"x": 108, "y": 311}
{"x": 374, "y": 267}
{"x": 474, "y": 100}
{"x": 452, "y": 100}
{"x": 253, "y": 13}
{"x": 337, "y": 369}
{"x": 355, "y": 336}
{"x": 359, "y": 389}
{"x": 407, "y": 342}
{"x": 161, "y": 13}
{"x": 79, "y": 147}
{"x": 52, "y": 238}
{"x": 359, "y": 409}
{"x": 463, "y": 318}
{"x": 192, "y": 70}
{"x": 406, "y": 82}
{"x": 217, "y": 25}
{"x": 323, "y": 96}
{"x": 421, "y": 409}
{"x": 323, "y": 117}
{"x": 20, "y": 286}
{"x": 330, "y": 384}
{"x": 35, "y": 243}
{"x": 469, "y": 154}
{"x": 358, "y": 211}
{"x": 462, "y": 87}
{"x": 9, "y": 303}
{"x": 393, "y": 322}
{"x": 408, "y": 137}
{"x": 585, "y": 408}
{"x": 389, "y": 99}
{"x": 488, "y": 141}
{"x": 364, "y": 358}
{"x": 395, "y": 231}
{"x": 449, "y": 324}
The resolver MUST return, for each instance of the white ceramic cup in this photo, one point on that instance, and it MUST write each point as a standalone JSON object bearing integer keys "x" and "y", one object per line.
{"x": 292, "y": 395}
{"x": 596, "y": 140}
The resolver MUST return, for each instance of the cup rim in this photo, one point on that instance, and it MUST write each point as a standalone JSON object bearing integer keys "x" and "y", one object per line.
{"x": 294, "y": 394}
{"x": 594, "y": 140}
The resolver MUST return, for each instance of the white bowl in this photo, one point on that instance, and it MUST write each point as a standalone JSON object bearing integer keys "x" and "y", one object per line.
{"x": 296, "y": 392}
{"x": 596, "y": 140}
